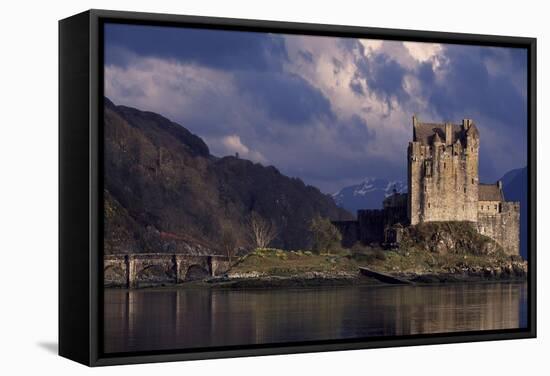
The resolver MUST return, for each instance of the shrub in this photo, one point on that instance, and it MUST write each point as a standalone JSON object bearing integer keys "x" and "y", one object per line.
{"x": 325, "y": 235}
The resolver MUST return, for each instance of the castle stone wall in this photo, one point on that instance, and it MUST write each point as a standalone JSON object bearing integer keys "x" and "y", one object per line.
{"x": 502, "y": 227}
{"x": 395, "y": 209}
{"x": 371, "y": 226}
{"x": 349, "y": 231}
{"x": 443, "y": 174}
{"x": 489, "y": 207}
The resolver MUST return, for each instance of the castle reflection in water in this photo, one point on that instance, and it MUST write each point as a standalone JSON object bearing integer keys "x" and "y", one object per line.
{"x": 161, "y": 319}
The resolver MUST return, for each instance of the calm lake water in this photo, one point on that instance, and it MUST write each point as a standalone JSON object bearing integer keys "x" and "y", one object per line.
{"x": 162, "y": 319}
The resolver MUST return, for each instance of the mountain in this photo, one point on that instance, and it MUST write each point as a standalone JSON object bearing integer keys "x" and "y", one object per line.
{"x": 165, "y": 192}
{"x": 514, "y": 185}
{"x": 368, "y": 194}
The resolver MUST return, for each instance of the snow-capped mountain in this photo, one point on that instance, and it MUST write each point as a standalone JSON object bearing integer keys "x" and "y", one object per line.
{"x": 368, "y": 194}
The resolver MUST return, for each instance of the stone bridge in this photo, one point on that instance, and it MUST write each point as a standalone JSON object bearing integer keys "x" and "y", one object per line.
{"x": 154, "y": 269}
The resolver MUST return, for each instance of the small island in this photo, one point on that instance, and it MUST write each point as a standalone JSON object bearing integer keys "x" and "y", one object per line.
{"x": 428, "y": 253}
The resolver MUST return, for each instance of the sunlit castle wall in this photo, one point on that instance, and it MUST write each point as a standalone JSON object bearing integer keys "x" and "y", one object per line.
{"x": 443, "y": 172}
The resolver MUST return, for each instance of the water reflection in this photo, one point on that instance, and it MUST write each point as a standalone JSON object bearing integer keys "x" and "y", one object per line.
{"x": 141, "y": 320}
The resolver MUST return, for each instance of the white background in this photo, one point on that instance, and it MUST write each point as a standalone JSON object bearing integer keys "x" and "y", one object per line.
{"x": 28, "y": 185}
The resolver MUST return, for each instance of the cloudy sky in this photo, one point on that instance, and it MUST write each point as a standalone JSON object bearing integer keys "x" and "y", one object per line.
{"x": 331, "y": 111}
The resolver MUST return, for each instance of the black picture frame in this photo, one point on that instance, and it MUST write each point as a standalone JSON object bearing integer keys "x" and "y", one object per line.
{"x": 80, "y": 185}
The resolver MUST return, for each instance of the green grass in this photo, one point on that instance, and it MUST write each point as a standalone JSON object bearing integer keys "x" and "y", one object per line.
{"x": 276, "y": 262}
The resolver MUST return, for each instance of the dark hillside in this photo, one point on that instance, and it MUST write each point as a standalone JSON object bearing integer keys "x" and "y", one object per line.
{"x": 164, "y": 192}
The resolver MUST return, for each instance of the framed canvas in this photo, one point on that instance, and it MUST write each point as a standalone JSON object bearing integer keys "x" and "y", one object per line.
{"x": 238, "y": 187}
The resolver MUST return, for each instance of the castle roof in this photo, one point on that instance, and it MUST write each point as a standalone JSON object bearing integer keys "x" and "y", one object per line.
{"x": 425, "y": 132}
{"x": 490, "y": 192}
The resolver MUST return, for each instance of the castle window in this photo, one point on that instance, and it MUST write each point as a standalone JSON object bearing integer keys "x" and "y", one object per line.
{"x": 444, "y": 165}
{"x": 464, "y": 189}
{"x": 472, "y": 180}
{"x": 428, "y": 205}
{"x": 495, "y": 207}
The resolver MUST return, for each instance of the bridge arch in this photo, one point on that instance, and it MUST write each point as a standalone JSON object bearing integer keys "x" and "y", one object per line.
{"x": 155, "y": 273}
{"x": 139, "y": 269}
{"x": 196, "y": 272}
{"x": 114, "y": 274}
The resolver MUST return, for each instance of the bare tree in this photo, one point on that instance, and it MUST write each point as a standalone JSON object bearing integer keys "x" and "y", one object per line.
{"x": 228, "y": 242}
{"x": 263, "y": 231}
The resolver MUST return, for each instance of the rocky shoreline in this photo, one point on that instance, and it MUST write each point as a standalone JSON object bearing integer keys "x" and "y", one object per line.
{"x": 516, "y": 272}
{"x": 510, "y": 270}
{"x": 273, "y": 268}
{"x": 513, "y": 272}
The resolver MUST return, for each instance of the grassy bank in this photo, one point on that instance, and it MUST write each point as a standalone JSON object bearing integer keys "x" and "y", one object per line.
{"x": 344, "y": 264}
{"x": 275, "y": 262}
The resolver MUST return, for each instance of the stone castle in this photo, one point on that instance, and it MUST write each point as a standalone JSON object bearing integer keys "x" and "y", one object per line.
{"x": 443, "y": 185}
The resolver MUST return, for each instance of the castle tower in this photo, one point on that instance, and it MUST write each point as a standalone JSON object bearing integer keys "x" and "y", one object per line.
{"x": 443, "y": 172}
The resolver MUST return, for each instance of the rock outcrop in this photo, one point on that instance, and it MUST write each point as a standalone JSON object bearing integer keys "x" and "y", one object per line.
{"x": 448, "y": 237}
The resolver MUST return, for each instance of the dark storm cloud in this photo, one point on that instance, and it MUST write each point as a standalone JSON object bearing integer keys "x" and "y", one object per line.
{"x": 469, "y": 86}
{"x": 332, "y": 174}
{"x": 255, "y": 58}
{"x": 334, "y": 155}
{"x": 304, "y": 131}
{"x": 228, "y": 50}
{"x": 286, "y": 97}
{"x": 384, "y": 75}
{"x": 425, "y": 74}
{"x": 356, "y": 133}
{"x": 470, "y": 90}
{"x": 356, "y": 86}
